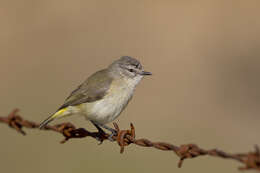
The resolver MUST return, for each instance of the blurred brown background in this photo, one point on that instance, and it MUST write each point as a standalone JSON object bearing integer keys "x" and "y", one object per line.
{"x": 205, "y": 57}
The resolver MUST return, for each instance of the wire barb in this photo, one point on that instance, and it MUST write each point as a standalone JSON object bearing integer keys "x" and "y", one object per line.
{"x": 251, "y": 160}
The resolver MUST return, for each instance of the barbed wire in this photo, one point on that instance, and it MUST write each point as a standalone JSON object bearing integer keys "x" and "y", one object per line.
{"x": 250, "y": 160}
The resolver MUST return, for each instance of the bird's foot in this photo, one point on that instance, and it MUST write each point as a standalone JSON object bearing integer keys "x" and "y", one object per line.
{"x": 100, "y": 134}
{"x": 100, "y": 137}
{"x": 113, "y": 133}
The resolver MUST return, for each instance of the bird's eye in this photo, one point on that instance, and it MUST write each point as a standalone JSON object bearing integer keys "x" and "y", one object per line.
{"x": 131, "y": 70}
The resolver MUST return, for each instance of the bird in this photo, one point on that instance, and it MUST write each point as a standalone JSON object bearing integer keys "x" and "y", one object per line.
{"x": 104, "y": 95}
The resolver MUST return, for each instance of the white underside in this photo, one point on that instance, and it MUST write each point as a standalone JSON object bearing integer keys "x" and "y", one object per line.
{"x": 109, "y": 108}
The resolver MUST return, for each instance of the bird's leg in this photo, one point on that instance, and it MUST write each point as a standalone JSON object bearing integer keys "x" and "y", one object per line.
{"x": 113, "y": 131}
{"x": 100, "y": 132}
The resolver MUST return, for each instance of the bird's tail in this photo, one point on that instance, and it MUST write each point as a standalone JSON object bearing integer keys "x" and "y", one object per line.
{"x": 51, "y": 118}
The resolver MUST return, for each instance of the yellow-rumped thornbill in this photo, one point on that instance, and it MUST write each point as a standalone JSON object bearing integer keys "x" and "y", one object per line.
{"x": 104, "y": 95}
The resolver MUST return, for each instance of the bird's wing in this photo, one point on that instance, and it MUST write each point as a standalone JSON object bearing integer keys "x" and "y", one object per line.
{"x": 93, "y": 89}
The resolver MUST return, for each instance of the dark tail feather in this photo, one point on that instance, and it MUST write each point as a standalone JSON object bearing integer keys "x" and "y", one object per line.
{"x": 45, "y": 122}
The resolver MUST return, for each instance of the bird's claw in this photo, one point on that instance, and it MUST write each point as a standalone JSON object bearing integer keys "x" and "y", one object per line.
{"x": 100, "y": 137}
{"x": 100, "y": 140}
{"x": 113, "y": 133}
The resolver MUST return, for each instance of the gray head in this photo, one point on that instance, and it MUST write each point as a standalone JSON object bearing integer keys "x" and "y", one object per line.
{"x": 128, "y": 67}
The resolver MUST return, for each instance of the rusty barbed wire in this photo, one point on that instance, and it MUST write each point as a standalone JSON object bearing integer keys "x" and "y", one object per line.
{"x": 251, "y": 160}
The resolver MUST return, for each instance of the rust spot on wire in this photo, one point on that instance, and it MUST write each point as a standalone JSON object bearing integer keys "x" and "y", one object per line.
{"x": 250, "y": 160}
{"x": 124, "y": 137}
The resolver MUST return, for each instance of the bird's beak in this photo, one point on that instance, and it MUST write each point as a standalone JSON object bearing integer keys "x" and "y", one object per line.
{"x": 144, "y": 73}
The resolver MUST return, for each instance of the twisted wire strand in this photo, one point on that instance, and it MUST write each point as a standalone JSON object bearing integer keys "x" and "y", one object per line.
{"x": 250, "y": 160}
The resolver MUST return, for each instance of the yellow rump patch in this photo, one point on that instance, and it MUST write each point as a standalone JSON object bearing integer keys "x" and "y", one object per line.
{"x": 59, "y": 113}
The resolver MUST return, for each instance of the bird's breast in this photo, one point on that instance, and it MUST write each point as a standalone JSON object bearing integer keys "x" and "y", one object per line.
{"x": 113, "y": 103}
